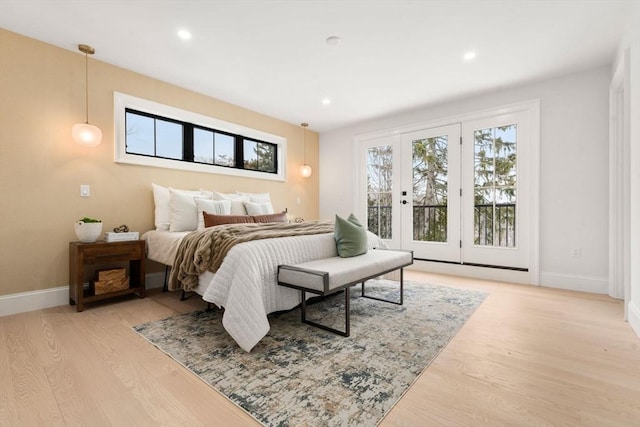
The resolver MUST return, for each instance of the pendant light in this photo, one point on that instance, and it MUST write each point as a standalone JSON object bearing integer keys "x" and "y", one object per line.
{"x": 85, "y": 133}
{"x": 305, "y": 169}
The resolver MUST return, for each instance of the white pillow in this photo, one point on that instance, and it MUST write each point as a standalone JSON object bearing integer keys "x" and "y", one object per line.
{"x": 206, "y": 193}
{"x": 258, "y": 208}
{"x": 162, "y": 200}
{"x": 184, "y": 214}
{"x": 218, "y": 207}
{"x": 237, "y": 201}
{"x": 256, "y": 197}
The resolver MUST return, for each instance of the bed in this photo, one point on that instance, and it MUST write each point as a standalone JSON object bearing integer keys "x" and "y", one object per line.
{"x": 239, "y": 277}
{"x": 245, "y": 282}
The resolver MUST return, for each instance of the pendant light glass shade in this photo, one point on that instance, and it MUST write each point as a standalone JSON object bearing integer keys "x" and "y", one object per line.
{"x": 305, "y": 169}
{"x": 85, "y": 133}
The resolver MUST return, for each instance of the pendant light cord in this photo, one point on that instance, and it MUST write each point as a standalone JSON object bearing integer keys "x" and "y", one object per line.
{"x": 304, "y": 141}
{"x": 86, "y": 86}
{"x": 87, "y": 50}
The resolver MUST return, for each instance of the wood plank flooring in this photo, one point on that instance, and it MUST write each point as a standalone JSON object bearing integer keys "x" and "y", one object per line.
{"x": 529, "y": 356}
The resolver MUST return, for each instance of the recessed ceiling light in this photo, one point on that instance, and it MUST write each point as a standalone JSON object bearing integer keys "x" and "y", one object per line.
{"x": 326, "y": 101}
{"x": 184, "y": 34}
{"x": 469, "y": 55}
{"x": 333, "y": 41}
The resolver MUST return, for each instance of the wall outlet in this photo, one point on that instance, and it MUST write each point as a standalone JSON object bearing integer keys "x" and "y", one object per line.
{"x": 576, "y": 252}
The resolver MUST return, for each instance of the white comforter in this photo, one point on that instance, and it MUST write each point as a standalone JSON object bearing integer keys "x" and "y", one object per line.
{"x": 246, "y": 284}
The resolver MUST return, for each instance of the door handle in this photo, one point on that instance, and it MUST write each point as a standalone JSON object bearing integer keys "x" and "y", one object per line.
{"x": 404, "y": 202}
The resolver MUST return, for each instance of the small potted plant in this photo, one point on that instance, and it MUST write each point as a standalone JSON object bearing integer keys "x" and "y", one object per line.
{"x": 88, "y": 229}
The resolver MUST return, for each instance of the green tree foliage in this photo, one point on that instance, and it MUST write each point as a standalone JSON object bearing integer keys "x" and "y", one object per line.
{"x": 430, "y": 189}
{"x": 495, "y": 185}
{"x": 430, "y": 171}
{"x": 259, "y": 156}
{"x": 379, "y": 190}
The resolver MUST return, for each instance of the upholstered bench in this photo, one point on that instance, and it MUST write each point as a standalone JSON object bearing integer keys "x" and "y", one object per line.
{"x": 330, "y": 275}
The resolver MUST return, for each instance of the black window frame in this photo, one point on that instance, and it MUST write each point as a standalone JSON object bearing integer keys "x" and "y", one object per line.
{"x": 188, "y": 141}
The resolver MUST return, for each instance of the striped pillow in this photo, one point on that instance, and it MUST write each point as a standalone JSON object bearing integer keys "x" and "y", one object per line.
{"x": 216, "y": 207}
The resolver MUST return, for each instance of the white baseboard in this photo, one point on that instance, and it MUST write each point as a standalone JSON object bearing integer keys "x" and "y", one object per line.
{"x": 485, "y": 273}
{"x": 53, "y": 297}
{"x": 34, "y": 300}
{"x": 596, "y": 285}
{"x": 634, "y": 317}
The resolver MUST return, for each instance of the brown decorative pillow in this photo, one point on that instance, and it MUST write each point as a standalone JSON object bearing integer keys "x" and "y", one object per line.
{"x": 212, "y": 219}
{"x": 278, "y": 217}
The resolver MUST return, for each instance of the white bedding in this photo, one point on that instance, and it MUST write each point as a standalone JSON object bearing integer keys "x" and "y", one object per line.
{"x": 162, "y": 247}
{"x": 246, "y": 285}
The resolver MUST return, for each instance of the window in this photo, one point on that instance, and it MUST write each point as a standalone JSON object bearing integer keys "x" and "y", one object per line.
{"x": 214, "y": 148}
{"x": 154, "y": 136}
{"x": 158, "y": 135}
{"x": 259, "y": 156}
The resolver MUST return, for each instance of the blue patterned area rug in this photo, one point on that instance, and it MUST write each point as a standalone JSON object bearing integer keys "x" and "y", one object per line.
{"x": 300, "y": 375}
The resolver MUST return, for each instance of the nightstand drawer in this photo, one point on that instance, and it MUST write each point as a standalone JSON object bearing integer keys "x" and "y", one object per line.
{"x": 112, "y": 251}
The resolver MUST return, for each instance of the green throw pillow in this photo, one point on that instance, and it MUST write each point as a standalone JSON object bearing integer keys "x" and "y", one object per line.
{"x": 351, "y": 237}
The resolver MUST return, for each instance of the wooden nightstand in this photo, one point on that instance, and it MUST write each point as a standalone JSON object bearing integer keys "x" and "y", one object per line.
{"x": 84, "y": 256}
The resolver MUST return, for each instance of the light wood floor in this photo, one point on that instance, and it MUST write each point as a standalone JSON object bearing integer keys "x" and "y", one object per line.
{"x": 528, "y": 356}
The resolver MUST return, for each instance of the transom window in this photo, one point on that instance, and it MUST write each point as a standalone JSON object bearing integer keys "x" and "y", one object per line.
{"x": 158, "y": 135}
{"x": 155, "y": 136}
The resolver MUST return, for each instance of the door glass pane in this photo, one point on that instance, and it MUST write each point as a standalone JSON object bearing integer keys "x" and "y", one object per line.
{"x": 495, "y": 167}
{"x": 505, "y": 156}
{"x": 379, "y": 187}
{"x": 483, "y": 217}
{"x": 505, "y": 217}
{"x": 430, "y": 194}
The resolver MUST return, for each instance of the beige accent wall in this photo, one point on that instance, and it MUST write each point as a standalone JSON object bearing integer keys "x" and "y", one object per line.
{"x": 41, "y": 168}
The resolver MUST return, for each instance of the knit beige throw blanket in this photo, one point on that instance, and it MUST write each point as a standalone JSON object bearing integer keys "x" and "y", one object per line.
{"x": 205, "y": 249}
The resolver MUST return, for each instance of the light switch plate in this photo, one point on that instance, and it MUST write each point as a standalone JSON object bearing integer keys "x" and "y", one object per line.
{"x": 85, "y": 191}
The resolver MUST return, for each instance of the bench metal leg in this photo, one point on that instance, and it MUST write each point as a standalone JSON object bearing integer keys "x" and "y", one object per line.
{"x": 386, "y": 300}
{"x": 347, "y": 320}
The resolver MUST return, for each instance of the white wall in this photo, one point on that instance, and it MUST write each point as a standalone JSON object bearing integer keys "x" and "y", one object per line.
{"x": 629, "y": 50}
{"x": 634, "y": 300}
{"x": 574, "y": 116}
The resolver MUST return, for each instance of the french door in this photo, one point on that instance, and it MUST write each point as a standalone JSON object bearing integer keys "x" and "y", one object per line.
{"x": 430, "y": 195}
{"x": 456, "y": 193}
{"x": 496, "y": 191}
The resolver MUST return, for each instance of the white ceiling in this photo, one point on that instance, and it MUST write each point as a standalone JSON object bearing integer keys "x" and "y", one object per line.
{"x": 271, "y": 56}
